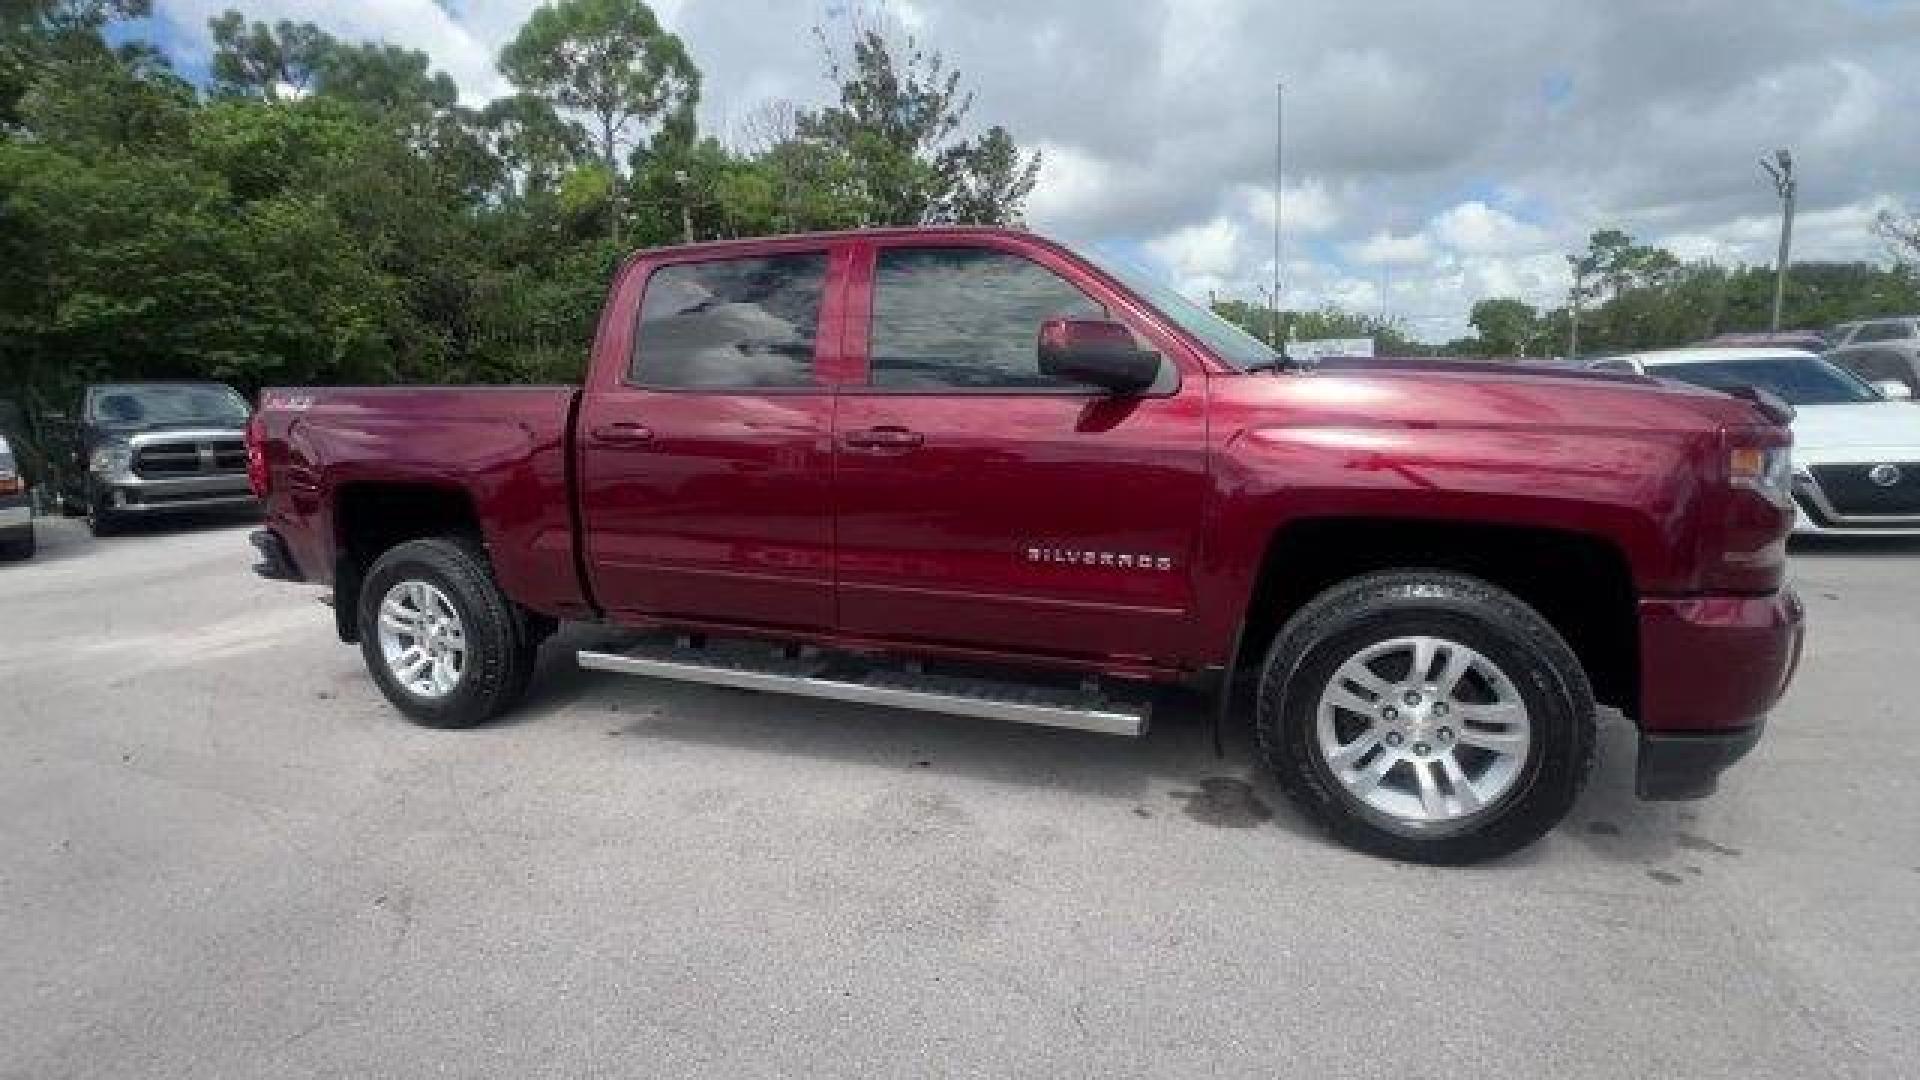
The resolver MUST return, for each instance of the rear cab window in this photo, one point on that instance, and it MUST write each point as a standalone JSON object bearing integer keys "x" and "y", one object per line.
{"x": 730, "y": 323}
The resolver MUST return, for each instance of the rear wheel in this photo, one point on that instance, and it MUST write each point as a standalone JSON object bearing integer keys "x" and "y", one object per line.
{"x": 443, "y": 642}
{"x": 1426, "y": 716}
{"x": 19, "y": 544}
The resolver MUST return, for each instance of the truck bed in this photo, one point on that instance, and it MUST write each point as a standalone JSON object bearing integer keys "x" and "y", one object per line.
{"x": 506, "y": 450}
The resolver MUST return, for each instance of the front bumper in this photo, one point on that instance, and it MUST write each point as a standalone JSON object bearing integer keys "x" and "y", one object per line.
{"x": 136, "y": 495}
{"x": 16, "y": 512}
{"x": 1711, "y": 667}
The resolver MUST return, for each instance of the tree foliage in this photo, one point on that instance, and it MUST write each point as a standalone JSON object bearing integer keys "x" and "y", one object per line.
{"x": 1635, "y": 296}
{"x": 327, "y": 211}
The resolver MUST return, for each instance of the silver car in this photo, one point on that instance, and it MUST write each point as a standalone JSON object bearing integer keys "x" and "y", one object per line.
{"x": 1880, "y": 351}
{"x": 16, "y": 507}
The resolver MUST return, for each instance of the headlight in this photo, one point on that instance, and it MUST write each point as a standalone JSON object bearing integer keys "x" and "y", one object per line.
{"x": 1766, "y": 469}
{"x": 113, "y": 459}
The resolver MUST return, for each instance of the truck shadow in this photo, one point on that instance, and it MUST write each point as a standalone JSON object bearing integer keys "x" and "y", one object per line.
{"x": 1172, "y": 771}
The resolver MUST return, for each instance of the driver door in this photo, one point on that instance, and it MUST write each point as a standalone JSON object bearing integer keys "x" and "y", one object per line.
{"x": 982, "y": 504}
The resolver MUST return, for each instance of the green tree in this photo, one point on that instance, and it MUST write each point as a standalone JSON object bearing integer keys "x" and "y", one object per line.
{"x": 893, "y": 138}
{"x": 1506, "y": 327}
{"x": 271, "y": 63}
{"x": 610, "y": 61}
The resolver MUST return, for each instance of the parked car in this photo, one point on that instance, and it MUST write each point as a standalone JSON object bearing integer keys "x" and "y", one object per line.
{"x": 1882, "y": 351}
{"x": 975, "y": 471}
{"x": 135, "y": 449}
{"x": 16, "y": 507}
{"x": 1856, "y": 454}
{"x": 1810, "y": 340}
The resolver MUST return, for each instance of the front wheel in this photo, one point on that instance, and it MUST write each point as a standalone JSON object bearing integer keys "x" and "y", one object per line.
{"x": 443, "y": 642}
{"x": 1426, "y": 716}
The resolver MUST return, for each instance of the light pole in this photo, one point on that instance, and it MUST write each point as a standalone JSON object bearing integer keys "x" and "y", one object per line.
{"x": 1781, "y": 169}
{"x": 1279, "y": 168}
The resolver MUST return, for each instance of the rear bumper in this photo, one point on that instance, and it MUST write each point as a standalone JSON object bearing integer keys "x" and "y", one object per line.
{"x": 1711, "y": 667}
{"x": 16, "y": 512}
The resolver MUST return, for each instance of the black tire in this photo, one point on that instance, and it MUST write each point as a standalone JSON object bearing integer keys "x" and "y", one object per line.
{"x": 101, "y": 520}
{"x": 1349, "y": 617}
{"x": 501, "y": 649}
{"x": 19, "y": 545}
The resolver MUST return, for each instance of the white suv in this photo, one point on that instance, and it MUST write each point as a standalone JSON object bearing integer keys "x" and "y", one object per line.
{"x": 1880, "y": 351}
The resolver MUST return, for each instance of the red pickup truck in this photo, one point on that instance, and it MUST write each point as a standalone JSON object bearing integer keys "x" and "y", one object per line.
{"x": 979, "y": 472}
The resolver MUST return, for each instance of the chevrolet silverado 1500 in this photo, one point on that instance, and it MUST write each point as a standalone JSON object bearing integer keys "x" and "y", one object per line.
{"x": 978, "y": 472}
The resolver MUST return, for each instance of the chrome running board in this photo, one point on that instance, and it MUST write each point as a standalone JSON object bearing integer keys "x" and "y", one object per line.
{"x": 1085, "y": 707}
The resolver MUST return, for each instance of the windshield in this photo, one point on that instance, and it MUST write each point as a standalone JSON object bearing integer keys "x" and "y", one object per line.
{"x": 1800, "y": 380}
{"x": 153, "y": 404}
{"x": 1227, "y": 341}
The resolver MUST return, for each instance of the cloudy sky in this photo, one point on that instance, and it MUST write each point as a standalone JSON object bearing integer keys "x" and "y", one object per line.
{"x": 1436, "y": 152}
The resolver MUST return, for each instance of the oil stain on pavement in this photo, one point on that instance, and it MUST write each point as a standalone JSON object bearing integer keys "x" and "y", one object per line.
{"x": 1225, "y": 802}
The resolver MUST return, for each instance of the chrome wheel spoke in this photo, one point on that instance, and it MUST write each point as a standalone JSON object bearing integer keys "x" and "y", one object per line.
{"x": 1431, "y": 800}
{"x": 1464, "y": 793}
{"x": 1367, "y": 781}
{"x": 1352, "y": 752}
{"x": 1500, "y": 742}
{"x": 1459, "y": 661}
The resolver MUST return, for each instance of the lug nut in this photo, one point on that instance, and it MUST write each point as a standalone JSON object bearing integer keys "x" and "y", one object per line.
{"x": 1393, "y": 738}
{"x": 1439, "y": 708}
{"x": 1389, "y": 714}
{"x": 1412, "y": 698}
{"x": 1446, "y": 734}
{"x": 1421, "y": 749}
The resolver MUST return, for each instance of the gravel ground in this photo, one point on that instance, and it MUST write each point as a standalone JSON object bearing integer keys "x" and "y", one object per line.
{"x": 221, "y": 854}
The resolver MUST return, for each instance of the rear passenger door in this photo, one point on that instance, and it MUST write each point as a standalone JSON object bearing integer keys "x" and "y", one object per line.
{"x": 981, "y": 503}
{"x": 705, "y": 462}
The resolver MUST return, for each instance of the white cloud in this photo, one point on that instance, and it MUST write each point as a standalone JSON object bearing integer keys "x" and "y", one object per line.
{"x": 1459, "y": 161}
{"x": 1384, "y": 248}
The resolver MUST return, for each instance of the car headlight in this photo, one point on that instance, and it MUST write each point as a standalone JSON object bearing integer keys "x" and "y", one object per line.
{"x": 113, "y": 459}
{"x": 1766, "y": 469}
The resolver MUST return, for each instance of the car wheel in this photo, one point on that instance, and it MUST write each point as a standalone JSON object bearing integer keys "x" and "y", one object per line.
{"x": 445, "y": 645}
{"x": 1426, "y": 716}
{"x": 20, "y": 545}
{"x": 101, "y": 520}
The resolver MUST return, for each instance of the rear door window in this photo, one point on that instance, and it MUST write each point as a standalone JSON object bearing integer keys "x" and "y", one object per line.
{"x": 730, "y": 323}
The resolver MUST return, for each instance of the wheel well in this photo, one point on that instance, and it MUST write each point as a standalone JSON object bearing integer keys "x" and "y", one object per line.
{"x": 369, "y": 519}
{"x": 1579, "y": 583}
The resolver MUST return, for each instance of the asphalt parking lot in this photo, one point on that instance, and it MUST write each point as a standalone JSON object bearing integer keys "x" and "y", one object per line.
{"x": 221, "y": 854}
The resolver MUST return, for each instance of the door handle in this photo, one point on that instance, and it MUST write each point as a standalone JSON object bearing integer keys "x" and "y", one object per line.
{"x": 623, "y": 433}
{"x": 884, "y": 438}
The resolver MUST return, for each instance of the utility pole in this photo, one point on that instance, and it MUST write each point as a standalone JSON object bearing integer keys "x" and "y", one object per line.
{"x": 1573, "y": 308}
{"x": 686, "y": 204}
{"x": 1781, "y": 169}
{"x": 1279, "y": 171}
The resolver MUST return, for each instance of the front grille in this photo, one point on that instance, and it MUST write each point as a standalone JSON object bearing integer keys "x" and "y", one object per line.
{"x": 209, "y": 457}
{"x": 1851, "y": 491}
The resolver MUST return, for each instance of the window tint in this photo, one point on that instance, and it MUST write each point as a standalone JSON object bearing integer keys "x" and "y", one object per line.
{"x": 1885, "y": 331}
{"x": 1801, "y": 380}
{"x": 965, "y": 317}
{"x": 730, "y": 323}
{"x": 1878, "y": 365}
